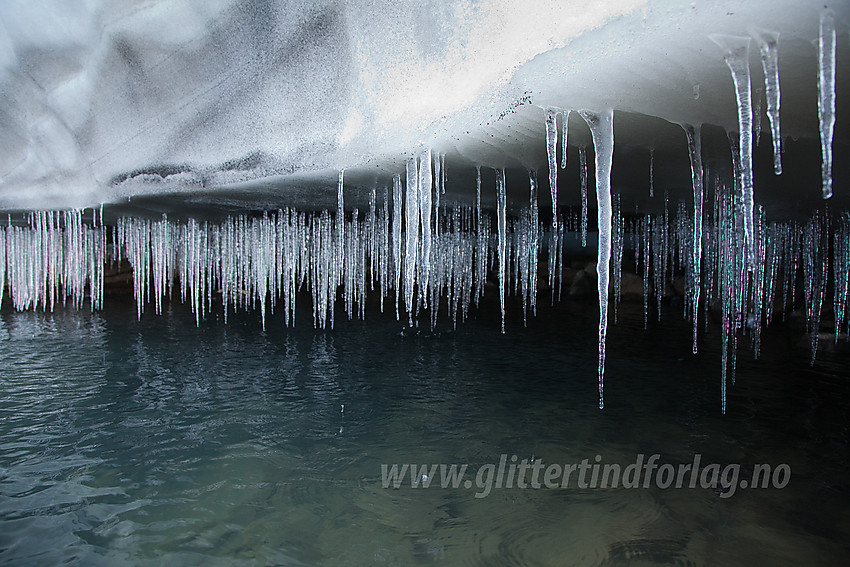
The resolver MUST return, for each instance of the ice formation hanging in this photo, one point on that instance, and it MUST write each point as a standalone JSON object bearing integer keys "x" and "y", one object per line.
{"x": 602, "y": 129}
{"x": 262, "y": 262}
{"x": 737, "y": 52}
{"x": 826, "y": 95}
{"x": 769, "y": 48}
{"x": 695, "y": 153}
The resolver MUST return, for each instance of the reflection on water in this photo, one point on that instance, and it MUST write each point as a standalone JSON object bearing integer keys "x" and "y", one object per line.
{"x": 159, "y": 442}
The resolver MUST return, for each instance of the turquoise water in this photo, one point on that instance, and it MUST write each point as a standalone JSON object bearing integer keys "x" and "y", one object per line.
{"x": 162, "y": 443}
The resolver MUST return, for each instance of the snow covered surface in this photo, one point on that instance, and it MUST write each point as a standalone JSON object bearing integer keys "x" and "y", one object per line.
{"x": 252, "y": 104}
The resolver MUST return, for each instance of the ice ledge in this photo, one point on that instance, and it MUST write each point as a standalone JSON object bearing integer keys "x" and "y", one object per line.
{"x": 106, "y": 102}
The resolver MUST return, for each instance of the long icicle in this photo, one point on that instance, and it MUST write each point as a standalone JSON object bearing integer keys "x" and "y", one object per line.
{"x": 826, "y": 95}
{"x": 769, "y": 47}
{"x": 551, "y": 154}
{"x": 501, "y": 212}
{"x": 602, "y": 128}
{"x": 340, "y": 230}
{"x": 425, "y": 183}
{"x": 397, "y": 244}
{"x": 737, "y": 59}
{"x": 411, "y": 232}
{"x": 652, "y": 172}
{"x": 565, "y": 130}
{"x": 695, "y": 152}
{"x": 582, "y": 169}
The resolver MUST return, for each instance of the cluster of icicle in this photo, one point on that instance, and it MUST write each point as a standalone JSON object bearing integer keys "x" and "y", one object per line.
{"x": 404, "y": 247}
{"x": 54, "y": 258}
{"x": 748, "y": 297}
{"x": 260, "y": 262}
{"x": 743, "y": 215}
{"x": 736, "y": 50}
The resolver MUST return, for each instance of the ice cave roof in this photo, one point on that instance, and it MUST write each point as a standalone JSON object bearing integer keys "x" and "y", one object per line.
{"x": 192, "y": 107}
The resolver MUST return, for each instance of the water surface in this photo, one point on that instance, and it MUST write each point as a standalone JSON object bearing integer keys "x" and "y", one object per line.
{"x": 159, "y": 442}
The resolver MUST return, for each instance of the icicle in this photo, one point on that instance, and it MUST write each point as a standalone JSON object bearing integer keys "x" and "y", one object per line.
{"x": 556, "y": 256}
{"x": 501, "y": 212}
{"x": 768, "y": 46}
{"x": 160, "y": 246}
{"x": 438, "y": 188}
{"x": 666, "y": 249}
{"x": 841, "y": 269}
{"x": 617, "y": 242}
{"x": 815, "y": 270}
{"x": 757, "y": 284}
{"x": 438, "y": 178}
{"x": 826, "y": 95}
{"x": 482, "y": 232}
{"x": 652, "y": 172}
{"x": 397, "y": 244}
{"x": 350, "y": 263}
{"x": 411, "y": 230}
{"x": 658, "y": 246}
{"x": 384, "y": 247}
{"x": 582, "y": 161}
{"x": 602, "y": 128}
{"x": 551, "y": 153}
{"x": 371, "y": 237}
{"x": 339, "y": 263}
{"x": 773, "y": 252}
{"x": 478, "y": 196}
{"x": 790, "y": 256}
{"x": 527, "y": 250}
{"x": 565, "y": 132}
{"x": 443, "y": 174}
{"x": 729, "y": 268}
{"x": 737, "y": 59}
{"x": 695, "y": 152}
{"x": 646, "y": 242}
{"x": 425, "y": 182}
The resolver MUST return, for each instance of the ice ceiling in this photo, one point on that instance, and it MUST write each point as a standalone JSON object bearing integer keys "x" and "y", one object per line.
{"x": 226, "y": 104}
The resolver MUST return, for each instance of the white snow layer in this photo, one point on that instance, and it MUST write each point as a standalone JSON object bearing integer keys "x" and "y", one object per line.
{"x": 95, "y": 92}
{"x": 101, "y": 100}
